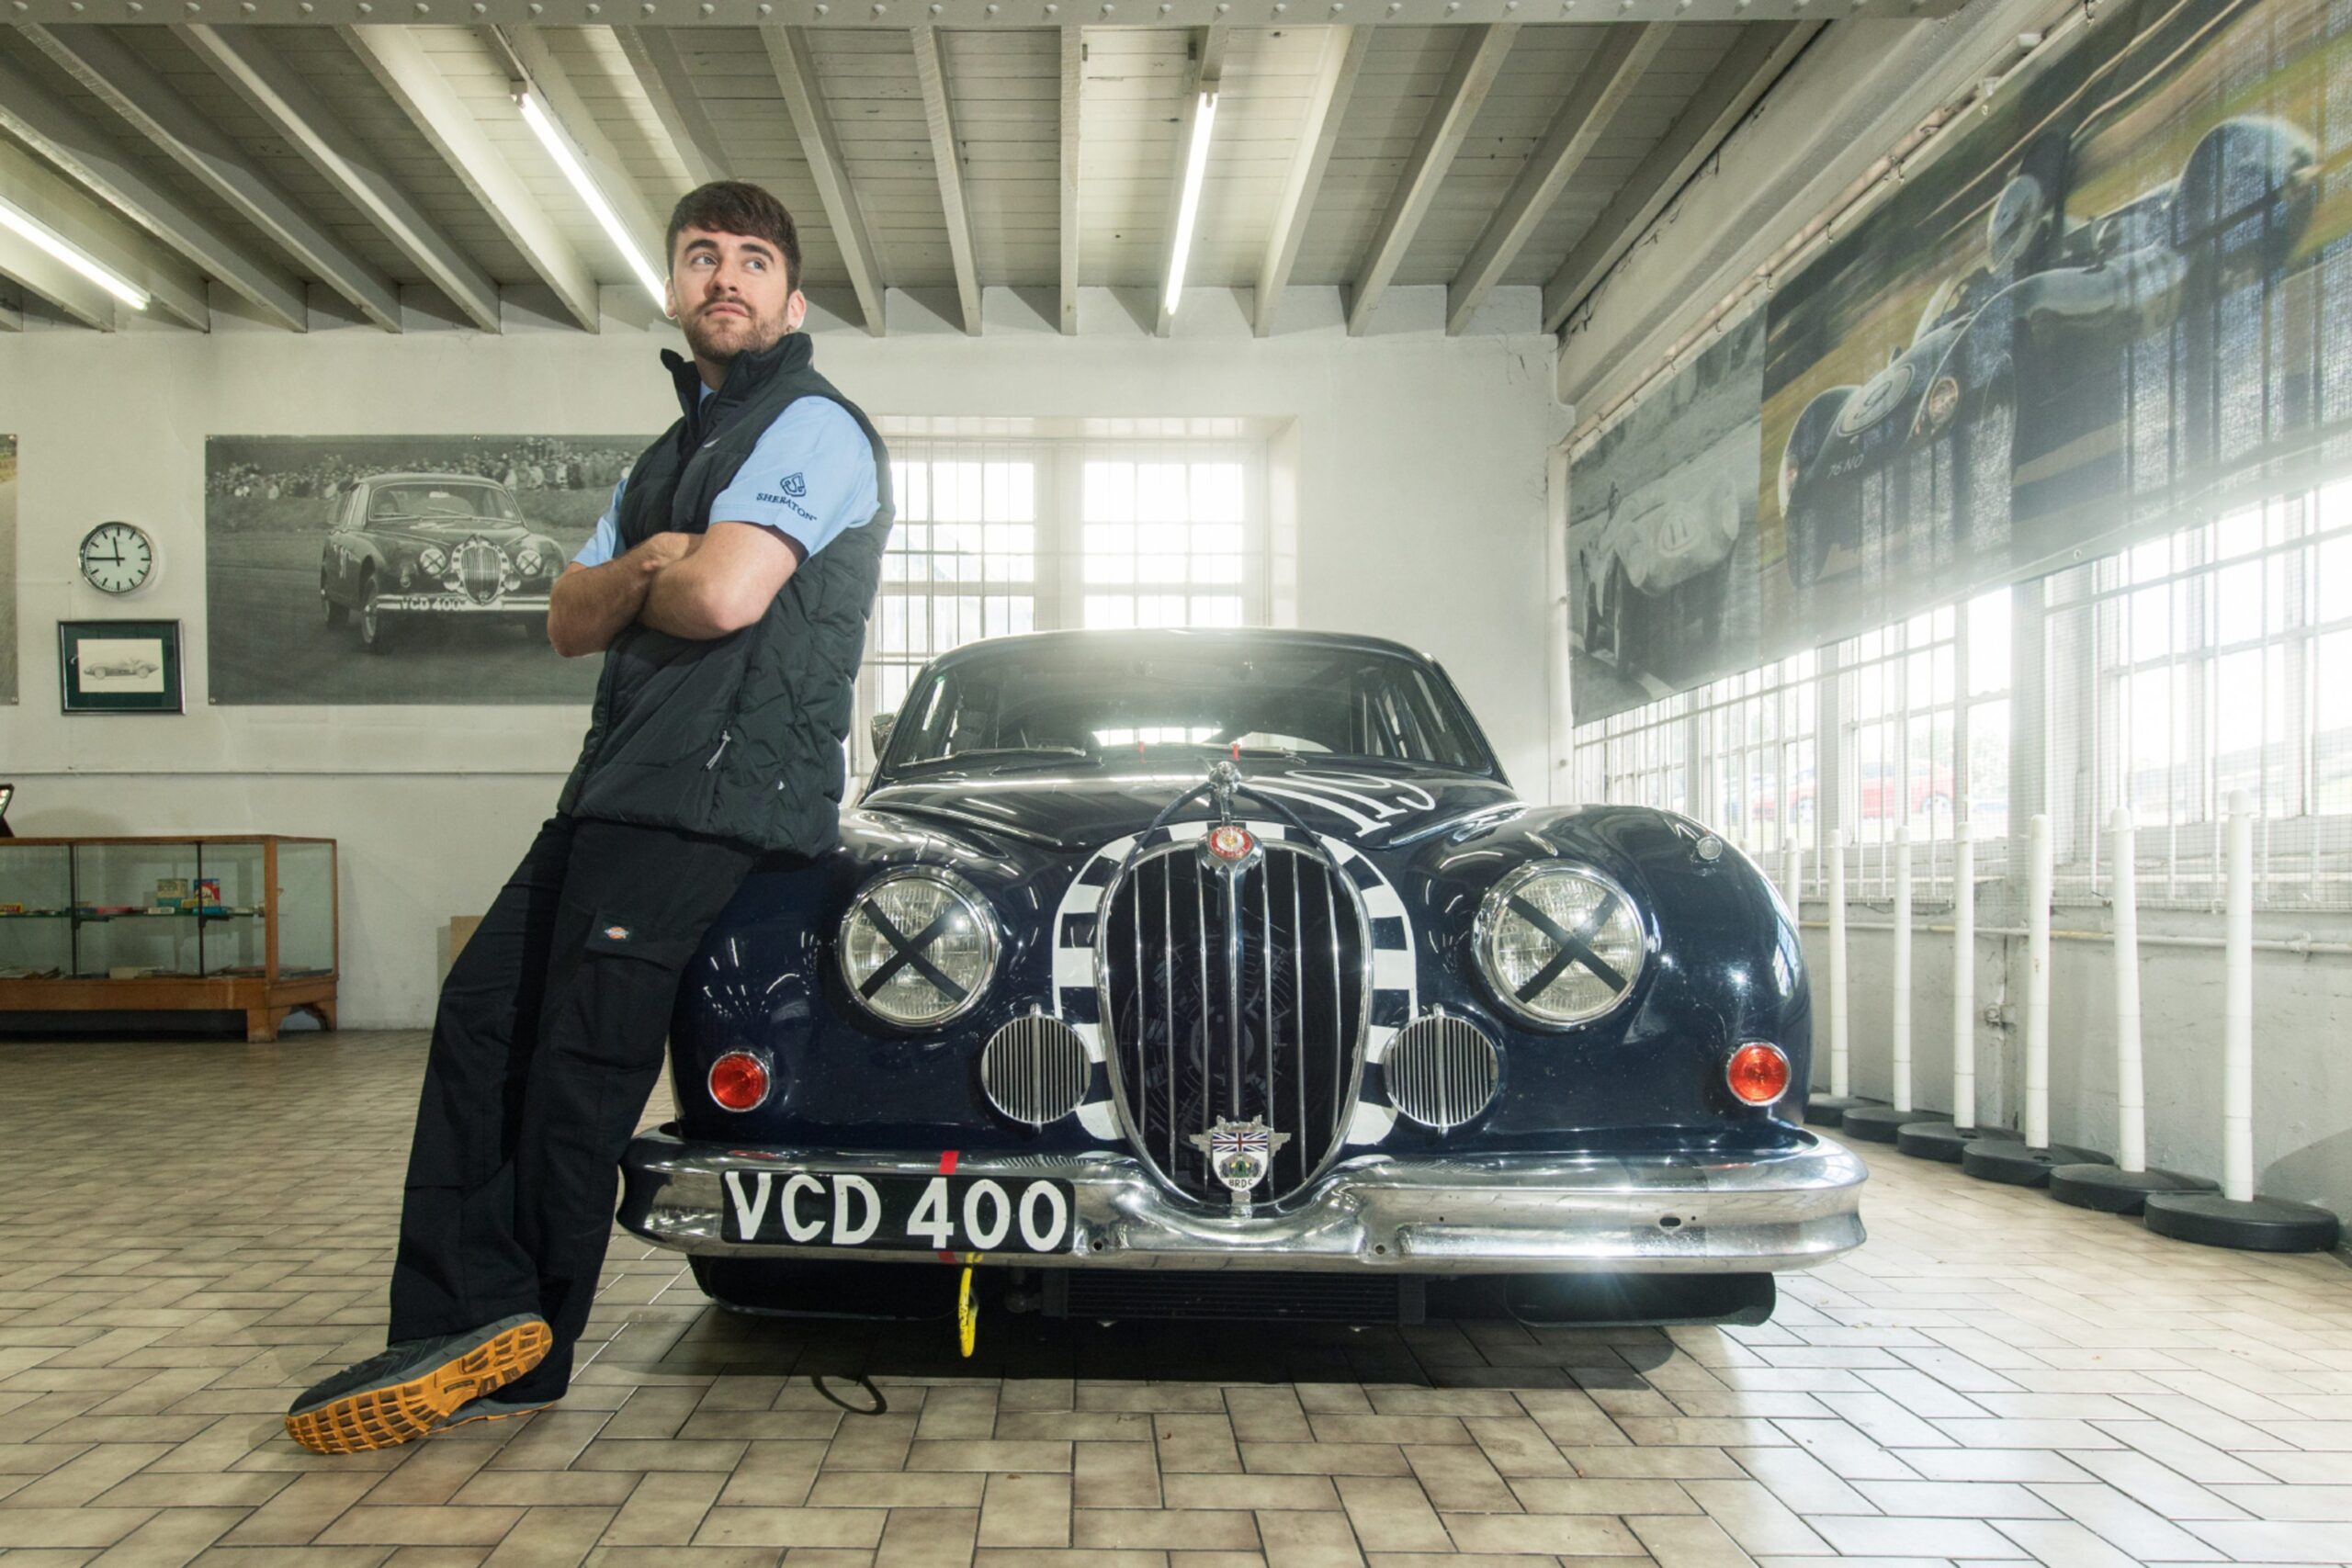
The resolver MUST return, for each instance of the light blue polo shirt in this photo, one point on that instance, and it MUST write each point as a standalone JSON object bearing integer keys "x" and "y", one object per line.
{"x": 811, "y": 477}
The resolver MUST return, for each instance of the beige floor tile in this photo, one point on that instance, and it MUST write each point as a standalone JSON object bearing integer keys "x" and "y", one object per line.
{"x": 1025, "y": 1510}
{"x": 1307, "y": 1540}
{"x": 1163, "y": 1530}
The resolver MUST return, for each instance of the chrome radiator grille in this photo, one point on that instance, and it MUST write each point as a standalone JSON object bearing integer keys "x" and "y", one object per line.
{"x": 1232, "y": 994}
{"x": 482, "y": 568}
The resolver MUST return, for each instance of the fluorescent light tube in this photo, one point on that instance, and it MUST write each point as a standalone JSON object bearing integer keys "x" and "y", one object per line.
{"x": 1196, "y": 164}
{"x": 25, "y": 226}
{"x": 559, "y": 149}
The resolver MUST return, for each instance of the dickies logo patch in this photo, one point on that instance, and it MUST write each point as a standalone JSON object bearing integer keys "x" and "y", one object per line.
{"x": 616, "y": 933}
{"x": 795, "y": 486}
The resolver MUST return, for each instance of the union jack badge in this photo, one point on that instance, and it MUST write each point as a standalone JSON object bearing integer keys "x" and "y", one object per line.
{"x": 1240, "y": 1154}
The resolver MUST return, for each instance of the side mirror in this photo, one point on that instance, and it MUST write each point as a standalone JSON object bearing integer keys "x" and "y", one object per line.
{"x": 879, "y": 727}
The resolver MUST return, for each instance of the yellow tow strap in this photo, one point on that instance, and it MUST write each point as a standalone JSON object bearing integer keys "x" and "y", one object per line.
{"x": 968, "y": 1315}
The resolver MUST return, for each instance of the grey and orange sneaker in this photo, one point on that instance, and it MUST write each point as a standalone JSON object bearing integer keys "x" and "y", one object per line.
{"x": 491, "y": 1407}
{"x": 409, "y": 1388}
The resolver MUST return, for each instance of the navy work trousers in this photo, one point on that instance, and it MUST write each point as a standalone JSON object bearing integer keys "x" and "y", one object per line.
{"x": 545, "y": 1047}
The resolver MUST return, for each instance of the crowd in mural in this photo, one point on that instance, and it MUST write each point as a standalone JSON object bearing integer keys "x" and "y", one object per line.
{"x": 538, "y": 463}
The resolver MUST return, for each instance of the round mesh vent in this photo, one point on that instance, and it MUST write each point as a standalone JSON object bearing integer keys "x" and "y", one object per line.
{"x": 1035, "y": 1069}
{"x": 1440, "y": 1071}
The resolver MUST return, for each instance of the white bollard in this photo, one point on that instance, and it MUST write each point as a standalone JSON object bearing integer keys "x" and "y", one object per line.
{"x": 1840, "y": 1075}
{"x": 2036, "y": 983}
{"x": 2237, "y": 1009}
{"x": 1964, "y": 977}
{"x": 2131, "y": 1076}
{"x": 1903, "y": 969}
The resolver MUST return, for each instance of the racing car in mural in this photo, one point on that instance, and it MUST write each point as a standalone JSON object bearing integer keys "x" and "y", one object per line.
{"x": 402, "y": 547}
{"x": 1211, "y": 973}
{"x": 2017, "y": 365}
{"x": 1656, "y": 565}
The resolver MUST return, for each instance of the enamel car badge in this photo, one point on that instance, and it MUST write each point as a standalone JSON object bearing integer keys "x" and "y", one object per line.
{"x": 1230, "y": 841}
{"x": 1240, "y": 1154}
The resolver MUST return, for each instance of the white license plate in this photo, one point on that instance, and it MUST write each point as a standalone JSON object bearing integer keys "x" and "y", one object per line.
{"x": 904, "y": 1214}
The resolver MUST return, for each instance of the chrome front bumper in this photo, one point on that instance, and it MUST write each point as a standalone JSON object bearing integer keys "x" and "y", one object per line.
{"x": 460, "y": 604}
{"x": 1520, "y": 1214}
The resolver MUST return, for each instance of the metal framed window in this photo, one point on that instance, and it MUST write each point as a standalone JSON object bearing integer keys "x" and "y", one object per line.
{"x": 1003, "y": 534}
{"x": 2214, "y": 658}
{"x": 1907, "y": 725}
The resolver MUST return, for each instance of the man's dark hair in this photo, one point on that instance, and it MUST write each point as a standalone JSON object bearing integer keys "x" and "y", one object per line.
{"x": 737, "y": 207}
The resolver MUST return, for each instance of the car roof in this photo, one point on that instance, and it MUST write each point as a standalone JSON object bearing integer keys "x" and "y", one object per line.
{"x": 436, "y": 478}
{"x": 1146, "y": 639}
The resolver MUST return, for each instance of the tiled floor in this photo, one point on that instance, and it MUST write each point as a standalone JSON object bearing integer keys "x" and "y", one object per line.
{"x": 192, "y": 1230}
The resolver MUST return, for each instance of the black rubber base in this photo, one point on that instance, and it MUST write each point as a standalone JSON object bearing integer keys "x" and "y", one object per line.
{"x": 2010, "y": 1163}
{"x": 2265, "y": 1224}
{"x": 1937, "y": 1140}
{"x": 2113, "y": 1191}
{"x": 1829, "y": 1110}
{"x": 1879, "y": 1124}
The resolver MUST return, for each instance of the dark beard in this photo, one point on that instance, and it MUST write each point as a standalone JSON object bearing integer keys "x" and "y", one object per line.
{"x": 722, "y": 354}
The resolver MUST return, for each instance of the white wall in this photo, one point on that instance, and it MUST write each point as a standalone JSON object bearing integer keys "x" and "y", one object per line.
{"x": 2302, "y": 1015}
{"x": 1420, "y": 463}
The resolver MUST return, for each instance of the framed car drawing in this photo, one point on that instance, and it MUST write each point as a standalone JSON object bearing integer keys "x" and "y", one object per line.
{"x": 119, "y": 666}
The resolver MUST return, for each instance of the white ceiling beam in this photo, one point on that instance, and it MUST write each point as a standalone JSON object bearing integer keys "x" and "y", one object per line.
{"x": 128, "y": 86}
{"x": 96, "y": 162}
{"x": 1753, "y": 63}
{"x": 1207, "y": 71}
{"x": 397, "y": 61}
{"x": 602, "y": 159}
{"x": 1601, "y": 88}
{"x": 796, "y": 75}
{"x": 661, "y": 74}
{"x": 1477, "y": 59}
{"x": 294, "y": 109}
{"x": 176, "y": 291}
{"x": 1073, "y": 132}
{"x": 1344, "y": 48}
{"x": 947, "y": 156}
{"x": 981, "y": 15}
{"x": 37, "y": 272}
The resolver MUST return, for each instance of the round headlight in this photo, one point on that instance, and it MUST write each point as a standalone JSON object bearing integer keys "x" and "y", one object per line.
{"x": 434, "y": 562}
{"x": 917, "y": 946}
{"x": 528, "y": 561}
{"x": 1559, "y": 945}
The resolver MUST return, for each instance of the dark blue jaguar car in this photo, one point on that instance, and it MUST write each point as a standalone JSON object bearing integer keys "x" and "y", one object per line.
{"x": 1222, "y": 974}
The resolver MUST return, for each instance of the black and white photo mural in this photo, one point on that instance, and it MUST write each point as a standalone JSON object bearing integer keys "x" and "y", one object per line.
{"x": 2116, "y": 307}
{"x": 8, "y": 570}
{"x": 1662, "y": 533}
{"x": 397, "y": 569}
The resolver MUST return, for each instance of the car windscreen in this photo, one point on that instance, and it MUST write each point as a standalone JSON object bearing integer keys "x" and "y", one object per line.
{"x": 1104, "y": 700}
{"x": 429, "y": 500}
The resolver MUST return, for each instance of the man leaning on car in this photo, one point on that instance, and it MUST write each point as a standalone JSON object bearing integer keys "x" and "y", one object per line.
{"x": 728, "y": 587}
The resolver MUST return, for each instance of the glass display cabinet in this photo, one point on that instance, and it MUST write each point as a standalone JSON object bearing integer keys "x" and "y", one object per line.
{"x": 238, "y": 923}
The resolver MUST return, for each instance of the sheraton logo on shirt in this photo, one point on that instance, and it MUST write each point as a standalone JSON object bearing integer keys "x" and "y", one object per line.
{"x": 793, "y": 486}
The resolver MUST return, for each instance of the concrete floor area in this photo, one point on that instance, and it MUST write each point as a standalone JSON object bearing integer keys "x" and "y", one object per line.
{"x": 195, "y": 1230}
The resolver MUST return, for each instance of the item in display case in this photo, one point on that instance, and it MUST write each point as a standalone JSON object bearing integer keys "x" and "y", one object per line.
{"x": 120, "y": 666}
{"x": 171, "y": 894}
{"x": 206, "y": 897}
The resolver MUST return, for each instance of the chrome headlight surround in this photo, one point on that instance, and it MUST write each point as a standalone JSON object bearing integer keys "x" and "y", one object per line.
{"x": 1621, "y": 940}
{"x": 434, "y": 562}
{"x": 864, "y": 949}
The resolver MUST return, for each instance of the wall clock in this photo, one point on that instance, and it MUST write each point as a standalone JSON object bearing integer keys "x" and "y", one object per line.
{"x": 117, "y": 557}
